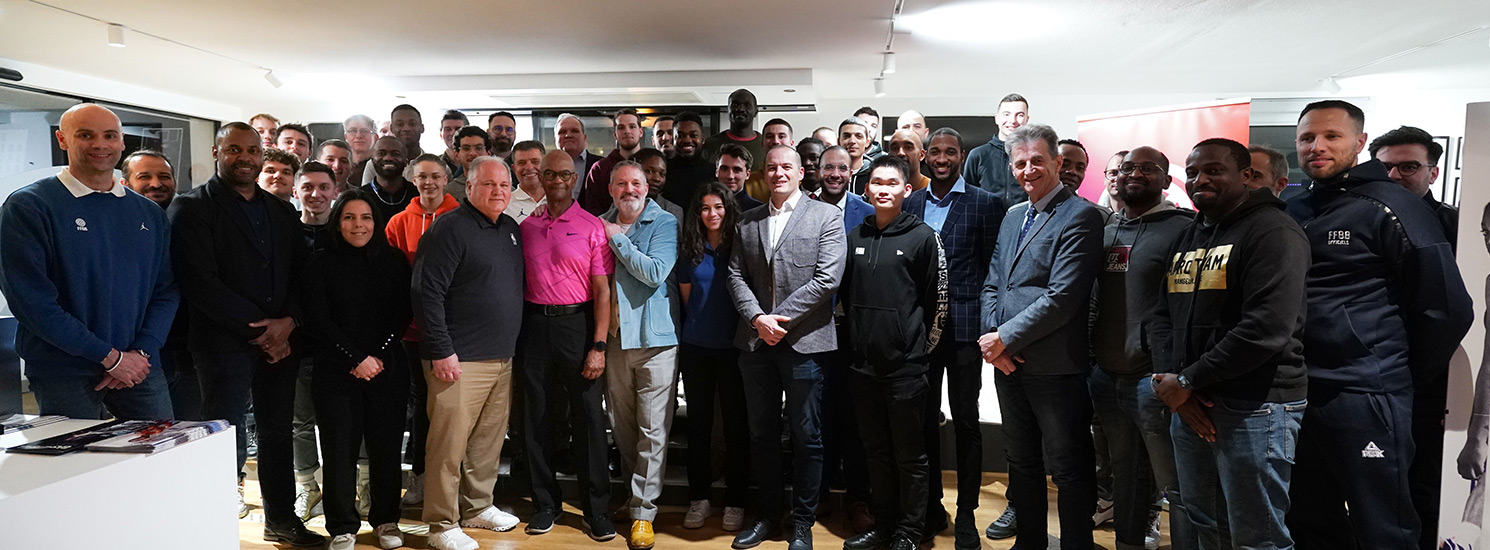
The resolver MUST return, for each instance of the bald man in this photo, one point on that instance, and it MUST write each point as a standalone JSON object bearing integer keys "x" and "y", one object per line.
{"x": 907, "y": 144}
{"x": 86, "y": 267}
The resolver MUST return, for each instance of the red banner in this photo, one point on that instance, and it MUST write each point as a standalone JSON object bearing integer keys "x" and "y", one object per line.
{"x": 1173, "y": 130}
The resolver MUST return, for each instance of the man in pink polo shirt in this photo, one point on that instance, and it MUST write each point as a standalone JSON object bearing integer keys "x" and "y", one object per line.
{"x": 566, "y": 317}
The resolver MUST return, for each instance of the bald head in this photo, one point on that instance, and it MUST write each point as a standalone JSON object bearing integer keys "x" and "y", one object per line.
{"x": 558, "y": 177}
{"x": 94, "y": 142}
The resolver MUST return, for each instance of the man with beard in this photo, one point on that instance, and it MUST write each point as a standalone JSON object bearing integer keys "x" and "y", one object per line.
{"x": 389, "y": 191}
{"x": 595, "y": 196}
{"x": 337, "y": 155}
{"x": 663, "y": 137}
{"x": 853, "y": 138}
{"x": 1134, "y": 421}
{"x": 688, "y": 168}
{"x": 470, "y": 144}
{"x": 908, "y": 146}
{"x": 988, "y": 164}
{"x": 450, "y": 123}
{"x": 265, "y": 124}
{"x": 237, "y": 253}
{"x": 1111, "y": 199}
{"x": 837, "y": 178}
{"x": 296, "y": 139}
{"x": 967, "y": 218}
{"x": 642, "y": 361}
{"x": 654, "y": 167}
{"x": 1387, "y": 308}
{"x": 732, "y": 169}
{"x": 1269, "y": 170}
{"x": 811, "y": 150}
{"x": 148, "y": 173}
{"x": 527, "y": 169}
{"x": 569, "y": 134}
{"x": 501, "y": 127}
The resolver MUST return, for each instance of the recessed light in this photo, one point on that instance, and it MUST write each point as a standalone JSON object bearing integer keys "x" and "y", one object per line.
{"x": 116, "y": 35}
{"x": 790, "y": 90}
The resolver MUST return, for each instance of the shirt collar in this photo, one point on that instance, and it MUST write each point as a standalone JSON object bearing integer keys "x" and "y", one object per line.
{"x": 789, "y": 205}
{"x": 958, "y": 188}
{"x": 842, "y": 201}
{"x": 1043, "y": 204}
{"x": 79, "y": 190}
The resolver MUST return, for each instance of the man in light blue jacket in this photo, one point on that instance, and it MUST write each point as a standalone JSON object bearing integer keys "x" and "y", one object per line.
{"x": 641, "y": 364}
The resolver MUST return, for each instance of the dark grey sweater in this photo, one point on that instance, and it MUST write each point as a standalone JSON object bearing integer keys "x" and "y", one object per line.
{"x": 468, "y": 286}
{"x": 1127, "y": 290}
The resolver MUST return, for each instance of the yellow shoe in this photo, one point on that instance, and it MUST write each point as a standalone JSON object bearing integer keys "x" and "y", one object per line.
{"x": 642, "y": 536}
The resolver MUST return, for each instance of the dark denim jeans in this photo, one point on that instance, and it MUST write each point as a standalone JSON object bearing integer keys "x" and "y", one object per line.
{"x": 74, "y": 397}
{"x": 1115, "y": 399}
{"x": 229, "y": 381}
{"x": 1236, "y": 489}
{"x": 890, "y": 414}
{"x": 1049, "y": 416}
{"x": 768, "y": 373}
{"x": 181, "y": 378}
{"x": 963, "y": 366}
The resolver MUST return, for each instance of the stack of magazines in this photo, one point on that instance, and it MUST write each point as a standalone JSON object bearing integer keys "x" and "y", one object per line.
{"x": 124, "y": 436}
{"x": 17, "y": 422}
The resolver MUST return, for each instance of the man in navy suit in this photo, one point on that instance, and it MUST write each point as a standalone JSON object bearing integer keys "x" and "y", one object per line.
{"x": 968, "y": 219}
{"x": 1035, "y": 303}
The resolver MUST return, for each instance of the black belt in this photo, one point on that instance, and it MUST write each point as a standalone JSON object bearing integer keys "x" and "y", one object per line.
{"x": 548, "y": 310}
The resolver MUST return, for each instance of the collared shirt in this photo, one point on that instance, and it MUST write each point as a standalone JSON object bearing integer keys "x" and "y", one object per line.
{"x": 579, "y": 170}
{"x": 842, "y": 203}
{"x": 80, "y": 190}
{"x": 522, "y": 205}
{"x": 561, "y": 254}
{"x": 779, "y": 216}
{"x": 938, "y": 207}
{"x": 1043, "y": 205}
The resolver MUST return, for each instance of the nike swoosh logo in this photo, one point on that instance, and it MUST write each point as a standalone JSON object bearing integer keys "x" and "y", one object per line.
{"x": 570, "y": 234}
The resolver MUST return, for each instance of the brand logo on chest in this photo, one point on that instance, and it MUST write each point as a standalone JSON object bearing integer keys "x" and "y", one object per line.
{"x": 1338, "y": 238}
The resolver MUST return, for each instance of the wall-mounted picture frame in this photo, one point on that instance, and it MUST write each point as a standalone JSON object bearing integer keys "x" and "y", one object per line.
{"x": 1458, "y": 153}
{"x": 1443, "y": 174}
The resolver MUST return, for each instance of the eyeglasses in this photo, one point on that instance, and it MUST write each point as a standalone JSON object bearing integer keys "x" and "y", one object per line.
{"x": 1134, "y": 169}
{"x": 1405, "y": 168}
{"x": 560, "y": 176}
{"x": 438, "y": 176}
{"x": 1111, "y": 173}
{"x": 359, "y": 131}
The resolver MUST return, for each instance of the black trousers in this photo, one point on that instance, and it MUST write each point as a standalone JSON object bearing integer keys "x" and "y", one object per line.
{"x": 1429, "y": 406}
{"x": 349, "y": 412}
{"x": 418, "y": 418}
{"x": 228, "y": 381}
{"x": 1354, "y": 451}
{"x": 181, "y": 379}
{"x": 891, "y": 414}
{"x": 963, "y": 366}
{"x": 710, "y": 377}
{"x": 843, "y": 448}
{"x": 1047, "y": 427}
{"x": 554, "y": 351}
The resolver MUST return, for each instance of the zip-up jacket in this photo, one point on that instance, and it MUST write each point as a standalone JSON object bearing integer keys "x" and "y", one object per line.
{"x": 895, "y": 295}
{"x": 1386, "y": 302}
{"x": 1137, "y": 257}
{"x": 1231, "y": 316}
{"x": 987, "y": 167}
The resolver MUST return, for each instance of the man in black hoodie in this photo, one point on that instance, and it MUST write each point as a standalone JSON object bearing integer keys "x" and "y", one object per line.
{"x": 1387, "y": 308}
{"x": 1137, "y": 246}
{"x": 895, "y": 294}
{"x": 1226, "y": 340}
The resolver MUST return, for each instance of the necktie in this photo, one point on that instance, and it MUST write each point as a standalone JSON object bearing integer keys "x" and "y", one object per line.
{"x": 1029, "y": 219}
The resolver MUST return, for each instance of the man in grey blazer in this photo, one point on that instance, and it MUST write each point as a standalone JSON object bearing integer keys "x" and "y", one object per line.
{"x": 1034, "y": 306}
{"x": 787, "y": 263}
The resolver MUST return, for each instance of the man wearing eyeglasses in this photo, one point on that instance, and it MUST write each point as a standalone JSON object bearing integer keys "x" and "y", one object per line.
{"x": 566, "y": 318}
{"x": 1411, "y": 158}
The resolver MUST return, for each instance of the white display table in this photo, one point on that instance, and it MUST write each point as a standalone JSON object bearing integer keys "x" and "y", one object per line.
{"x": 184, "y": 497}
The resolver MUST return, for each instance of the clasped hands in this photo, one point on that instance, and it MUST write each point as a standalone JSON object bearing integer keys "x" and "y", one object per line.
{"x": 129, "y": 368}
{"x": 771, "y": 328}
{"x": 994, "y": 351}
{"x": 1188, "y": 404}
{"x": 275, "y": 341}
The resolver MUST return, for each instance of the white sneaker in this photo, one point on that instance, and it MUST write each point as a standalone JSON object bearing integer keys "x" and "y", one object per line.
{"x": 491, "y": 518}
{"x": 453, "y": 539}
{"x": 389, "y": 536}
{"x": 308, "y": 502}
{"x": 415, "y": 495}
{"x": 242, "y": 506}
{"x": 698, "y": 511}
{"x": 734, "y": 518}
{"x": 342, "y": 542}
{"x": 1104, "y": 512}
{"x": 1152, "y": 539}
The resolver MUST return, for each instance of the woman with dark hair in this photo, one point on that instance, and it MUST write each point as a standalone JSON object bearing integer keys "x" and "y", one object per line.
{"x": 707, "y": 355}
{"x": 356, "y": 302}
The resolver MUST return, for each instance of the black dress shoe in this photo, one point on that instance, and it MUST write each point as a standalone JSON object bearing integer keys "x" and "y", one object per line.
{"x": 292, "y": 533}
{"x": 1004, "y": 527}
{"x": 966, "y": 531}
{"x": 801, "y": 537}
{"x": 758, "y": 532}
{"x": 873, "y": 539}
{"x": 904, "y": 543}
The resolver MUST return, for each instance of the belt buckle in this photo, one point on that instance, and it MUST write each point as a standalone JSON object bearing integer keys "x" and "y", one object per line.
{"x": 551, "y": 310}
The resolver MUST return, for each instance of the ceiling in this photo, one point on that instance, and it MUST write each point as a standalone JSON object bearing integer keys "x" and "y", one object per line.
{"x": 343, "y": 56}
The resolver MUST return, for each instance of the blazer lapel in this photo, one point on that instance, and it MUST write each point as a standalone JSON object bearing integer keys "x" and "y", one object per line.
{"x": 1041, "y": 219}
{"x": 791, "y": 221}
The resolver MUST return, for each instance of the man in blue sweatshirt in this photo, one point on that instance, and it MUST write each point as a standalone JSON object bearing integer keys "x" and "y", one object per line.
{"x": 1387, "y": 307}
{"x": 85, "y": 267}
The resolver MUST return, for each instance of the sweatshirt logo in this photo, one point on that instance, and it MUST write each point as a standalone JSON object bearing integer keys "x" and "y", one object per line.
{"x": 1338, "y": 238}
{"x": 1117, "y": 259}
{"x": 1371, "y": 450}
{"x": 1199, "y": 269}
{"x": 82, "y": 225}
{"x": 143, "y": 228}
{"x": 858, "y": 251}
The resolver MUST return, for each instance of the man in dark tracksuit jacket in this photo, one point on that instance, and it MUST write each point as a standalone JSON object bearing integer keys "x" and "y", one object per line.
{"x": 1385, "y": 300}
{"x": 895, "y": 294}
{"x": 1227, "y": 340}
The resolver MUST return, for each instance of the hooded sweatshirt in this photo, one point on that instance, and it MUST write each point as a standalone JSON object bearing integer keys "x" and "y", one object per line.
{"x": 1231, "y": 315}
{"x": 894, "y": 293}
{"x": 987, "y": 167}
{"x": 1137, "y": 258}
{"x": 1386, "y": 302}
{"x": 405, "y": 230}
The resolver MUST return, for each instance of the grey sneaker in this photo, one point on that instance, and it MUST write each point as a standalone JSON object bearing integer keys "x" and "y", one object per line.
{"x": 342, "y": 542}
{"x": 1152, "y": 539}
{"x": 415, "y": 495}
{"x": 734, "y": 518}
{"x": 698, "y": 512}
{"x": 389, "y": 536}
{"x": 308, "y": 502}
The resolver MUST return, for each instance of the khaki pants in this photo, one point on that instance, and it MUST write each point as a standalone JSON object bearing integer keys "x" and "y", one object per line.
{"x": 641, "y": 388}
{"x": 467, "y": 422}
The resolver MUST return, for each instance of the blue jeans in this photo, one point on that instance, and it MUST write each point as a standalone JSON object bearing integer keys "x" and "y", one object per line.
{"x": 1153, "y": 423}
{"x": 769, "y": 372}
{"x": 1236, "y": 489}
{"x": 1115, "y": 400}
{"x": 1047, "y": 427}
{"x": 74, "y": 397}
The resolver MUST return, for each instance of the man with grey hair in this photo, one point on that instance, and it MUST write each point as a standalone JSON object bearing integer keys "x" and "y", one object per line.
{"x": 1269, "y": 170}
{"x": 1034, "y": 308}
{"x": 569, "y": 134}
{"x": 641, "y": 360}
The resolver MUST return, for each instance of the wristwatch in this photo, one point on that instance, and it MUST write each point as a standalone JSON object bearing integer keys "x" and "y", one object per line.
{"x": 1185, "y": 382}
{"x": 143, "y": 354}
{"x": 598, "y": 346}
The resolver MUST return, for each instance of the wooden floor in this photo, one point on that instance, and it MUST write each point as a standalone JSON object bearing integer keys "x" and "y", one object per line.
{"x": 827, "y": 535}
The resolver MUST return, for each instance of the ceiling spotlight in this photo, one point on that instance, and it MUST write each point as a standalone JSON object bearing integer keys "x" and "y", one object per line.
{"x": 879, "y": 87}
{"x": 116, "y": 35}
{"x": 1330, "y": 85}
{"x": 889, "y": 65}
{"x": 273, "y": 79}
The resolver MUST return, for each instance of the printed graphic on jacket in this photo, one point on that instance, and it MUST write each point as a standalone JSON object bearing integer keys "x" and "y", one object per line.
{"x": 1199, "y": 269}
